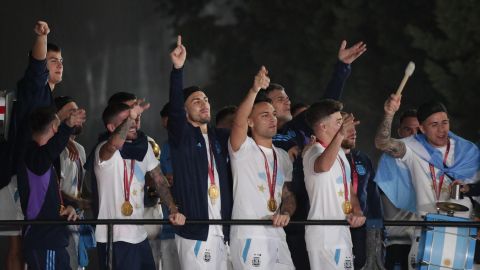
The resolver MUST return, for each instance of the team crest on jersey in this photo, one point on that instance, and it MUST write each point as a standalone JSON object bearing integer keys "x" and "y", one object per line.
{"x": 361, "y": 169}
{"x": 207, "y": 257}
{"x": 348, "y": 263}
{"x": 256, "y": 260}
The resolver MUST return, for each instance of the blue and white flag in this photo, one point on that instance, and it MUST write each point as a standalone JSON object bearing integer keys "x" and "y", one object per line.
{"x": 395, "y": 180}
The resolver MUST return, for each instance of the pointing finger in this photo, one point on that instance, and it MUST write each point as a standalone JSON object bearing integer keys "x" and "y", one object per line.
{"x": 179, "y": 40}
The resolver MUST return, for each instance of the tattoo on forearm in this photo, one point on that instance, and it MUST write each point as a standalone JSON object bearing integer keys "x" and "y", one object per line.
{"x": 288, "y": 200}
{"x": 385, "y": 142}
{"x": 162, "y": 187}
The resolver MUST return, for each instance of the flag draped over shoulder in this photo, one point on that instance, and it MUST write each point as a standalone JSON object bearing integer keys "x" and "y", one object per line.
{"x": 395, "y": 180}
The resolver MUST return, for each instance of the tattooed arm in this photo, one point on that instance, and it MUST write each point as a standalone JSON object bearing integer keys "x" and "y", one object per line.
{"x": 116, "y": 140}
{"x": 163, "y": 190}
{"x": 289, "y": 203}
{"x": 383, "y": 138}
{"x": 288, "y": 207}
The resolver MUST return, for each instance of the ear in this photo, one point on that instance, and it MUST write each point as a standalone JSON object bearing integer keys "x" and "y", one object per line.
{"x": 421, "y": 128}
{"x": 110, "y": 127}
{"x": 250, "y": 123}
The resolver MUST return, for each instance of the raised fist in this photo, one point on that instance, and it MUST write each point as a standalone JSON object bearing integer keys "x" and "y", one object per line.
{"x": 392, "y": 104}
{"x": 41, "y": 28}
{"x": 179, "y": 54}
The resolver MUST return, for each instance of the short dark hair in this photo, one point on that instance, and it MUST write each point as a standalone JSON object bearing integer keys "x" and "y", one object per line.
{"x": 322, "y": 109}
{"x": 165, "y": 110}
{"x": 53, "y": 48}
{"x": 297, "y": 106}
{"x": 408, "y": 113}
{"x": 62, "y": 101}
{"x": 112, "y": 111}
{"x": 273, "y": 87}
{"x": 41, "y": 118}
{"x": 190, "y": 90}
{"x": 121, "y": 97}
{"x": 429, "y": 108}
{"x": 224, "y": 112}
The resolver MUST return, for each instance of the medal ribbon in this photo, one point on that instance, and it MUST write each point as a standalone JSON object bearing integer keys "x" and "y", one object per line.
{"x": 127, "y": 182}
{"x": 354, "y": 173}
{"x": 211, "y": 165}
{"x": 272, "y": 181}
{"x": 438, "y": 190}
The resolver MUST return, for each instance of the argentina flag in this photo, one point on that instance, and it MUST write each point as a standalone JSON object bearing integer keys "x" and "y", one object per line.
{"x": 394, "y": 178}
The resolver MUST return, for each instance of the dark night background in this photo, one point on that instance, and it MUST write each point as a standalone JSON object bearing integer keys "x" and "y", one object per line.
{"x": 123, "y": 45}
{"x": 111, "y": 46}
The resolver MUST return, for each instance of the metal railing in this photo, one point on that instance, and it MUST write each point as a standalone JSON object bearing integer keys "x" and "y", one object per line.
{"x": 111, "y": 222}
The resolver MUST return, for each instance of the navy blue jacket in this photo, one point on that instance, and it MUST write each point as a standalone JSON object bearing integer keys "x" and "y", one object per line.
{"x": 190, "y": 165}
{"x": 33, "y": 91}
{"x": 297, "y": 132}
{"x": 39, "y": 192}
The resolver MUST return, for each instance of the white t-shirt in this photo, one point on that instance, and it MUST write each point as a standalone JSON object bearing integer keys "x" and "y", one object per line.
{"x": 326, "y": 193}
{"x": 423, "y": 183}
{"x": 70, "y": 171}
{"x": 250, "y": 187}
{"x": 214, "y": 209}
{"x": 109, "y": 175}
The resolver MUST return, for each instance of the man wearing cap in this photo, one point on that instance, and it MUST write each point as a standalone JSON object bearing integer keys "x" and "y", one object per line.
{"x": 425, "y": 163}
{"x": 202, "y": 186}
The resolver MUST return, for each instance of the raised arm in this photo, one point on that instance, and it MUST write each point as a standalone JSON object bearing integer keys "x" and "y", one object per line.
{"x": 163, "y": 190}
{"x": 342, "y": 69}
{"x": 239, "y": 131}
{"x": 325, "y": 161}
{"x": 177, "y": 114}
{"x": 39, "y": 50}
{"x": 119, "y": 135}
{"x": 383, "y": 138}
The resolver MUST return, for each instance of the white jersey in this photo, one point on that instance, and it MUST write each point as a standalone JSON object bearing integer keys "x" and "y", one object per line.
{"x": 110, "y": 174}
{"x": 250, "y": 187}
{"x": 423, "y": 183}
{"x": 326, "y": 193}
{"x": 71, "y": 171}
{"x": 214, "y": 208}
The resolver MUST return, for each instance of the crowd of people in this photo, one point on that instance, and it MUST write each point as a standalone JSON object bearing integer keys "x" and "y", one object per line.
{"x": 263, "y": 159}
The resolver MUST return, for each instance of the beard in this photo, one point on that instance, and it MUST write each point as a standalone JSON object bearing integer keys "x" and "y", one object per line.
{"x": 348, "y": 144}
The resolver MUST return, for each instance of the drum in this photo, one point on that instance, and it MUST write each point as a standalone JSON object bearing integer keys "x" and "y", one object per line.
{"x": 446, "y": 247}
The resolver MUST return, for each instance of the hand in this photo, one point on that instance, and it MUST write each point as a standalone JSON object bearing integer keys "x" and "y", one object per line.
{"x": 312, "y": 141}
{"x": 293, "y": 152}
{"x": 76, "y": 118}
{"x": 70, "y": 212}
{"x": 356, "y": 220}
{"x": 41, "y": 28}
{"x": 72, "y": 150}
{"x": 138, "y": 108}
{"x": 177, "y": 219}
{"x": 392, "y": 104}
{"x": 348, "y": 126}
{"x": 280, "y": 220}
{"x": 464, "y": 188}
{"x": 349, "y": 55}
{"x": 261, "y": 81}
{"x": 179, "y": 54}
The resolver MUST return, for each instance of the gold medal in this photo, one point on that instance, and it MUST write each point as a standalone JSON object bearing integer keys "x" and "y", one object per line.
{"x": 347, "y": 207}
{"x": 213, "y": 192}
{"x": 127, "y": 208}
{"x": 272, "y": 205}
